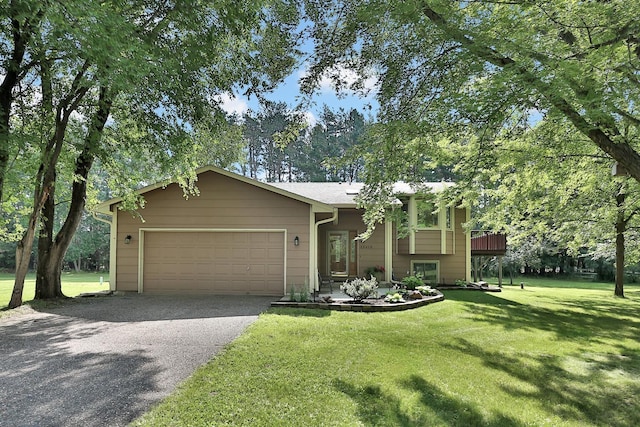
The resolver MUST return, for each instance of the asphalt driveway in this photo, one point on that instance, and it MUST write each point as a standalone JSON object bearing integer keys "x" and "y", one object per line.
{"x": 105, "y": 361}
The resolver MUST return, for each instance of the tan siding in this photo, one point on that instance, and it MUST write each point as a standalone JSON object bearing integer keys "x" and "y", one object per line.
{"x": 223, "y": 203}
{"x": 452, "y": 267}
{"x": 450, "y": 243}
{"x": 403, "y": 246}
{"x": 428, "y": 242}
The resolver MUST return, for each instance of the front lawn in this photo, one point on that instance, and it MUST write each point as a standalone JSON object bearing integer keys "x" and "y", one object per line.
{"x": 540, "y": 356}
{"x": 73, "y": 284}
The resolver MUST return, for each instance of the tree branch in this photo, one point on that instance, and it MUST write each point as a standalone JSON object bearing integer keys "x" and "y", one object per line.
{"x": 618, "y": 150}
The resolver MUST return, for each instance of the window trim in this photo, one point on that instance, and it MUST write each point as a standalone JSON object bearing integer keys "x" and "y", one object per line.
{"x": 427, "y": 261}
{"x": 442, "y": 216}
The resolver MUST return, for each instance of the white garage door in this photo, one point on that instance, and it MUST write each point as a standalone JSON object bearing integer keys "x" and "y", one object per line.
{"x": 214, "y": 262}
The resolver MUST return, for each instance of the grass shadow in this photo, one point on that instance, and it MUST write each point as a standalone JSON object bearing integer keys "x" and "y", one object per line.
{"x": 377, "y": 408}
{"x": 593, "y": 318}
{"x": 587, "y": 387}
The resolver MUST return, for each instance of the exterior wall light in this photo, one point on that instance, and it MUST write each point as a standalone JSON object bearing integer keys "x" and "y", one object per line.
{"x": 127, "y": 239}
{"x": 296, "y": 241}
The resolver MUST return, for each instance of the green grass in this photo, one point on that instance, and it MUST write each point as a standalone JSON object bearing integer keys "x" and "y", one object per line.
{"x": 576, "y": 283}
{"x": 542, "y": 356}
{"x": 73, "y": 284}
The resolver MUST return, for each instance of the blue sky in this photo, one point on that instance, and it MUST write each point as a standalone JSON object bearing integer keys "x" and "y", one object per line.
{"x": 289, "y": 92}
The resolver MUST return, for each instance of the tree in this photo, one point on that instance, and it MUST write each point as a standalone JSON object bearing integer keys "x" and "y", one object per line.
{"x": 457, "y": 78}
{"x": 271, "y": 136}
{"x": 157, "y": 66}
{"x": 447, "y": 67}
{"x": 330, "y": 153}
{"x": 551, "y": 185}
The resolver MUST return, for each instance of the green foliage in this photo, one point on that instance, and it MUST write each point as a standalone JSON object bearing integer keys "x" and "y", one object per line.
{"x": 527, "y": 104}
{"x": 301, "y": 296}
{"x": 371, "y": 271}
{"x": 412, "y": 282}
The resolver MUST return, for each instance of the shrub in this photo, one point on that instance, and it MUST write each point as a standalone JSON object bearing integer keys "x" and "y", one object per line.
{"x": 412, "y": 282}
{"x": 461, "y": 283}
{"x": 425, "y": 290}
{"x": 397, "y": 297}
{"x": 359, "y": 289}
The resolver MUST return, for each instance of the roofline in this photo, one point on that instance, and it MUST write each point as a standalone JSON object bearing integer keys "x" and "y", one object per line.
{"x": 105, "y": 207}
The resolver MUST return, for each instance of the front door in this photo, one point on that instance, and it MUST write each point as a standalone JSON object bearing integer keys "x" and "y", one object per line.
{"x": 342, "y": 253}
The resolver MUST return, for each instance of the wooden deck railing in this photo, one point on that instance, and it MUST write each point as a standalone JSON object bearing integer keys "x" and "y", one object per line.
{"x": 486, "y": 243}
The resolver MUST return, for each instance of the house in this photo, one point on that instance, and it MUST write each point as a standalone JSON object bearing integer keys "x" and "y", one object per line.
{"x": 241, "y": 236}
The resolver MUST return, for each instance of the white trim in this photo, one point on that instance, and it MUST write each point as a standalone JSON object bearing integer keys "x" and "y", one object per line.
{"x": 413, "y": 219}
{"x": 388, "y": 249}
{"x": 142, "y": 231}
{"x": 113, "y": 251}
{"x": 334, "y": 218}
{"x": 468, "y": 245}
{"x": 453, "y": 229}
{"x": 313, "y": 275}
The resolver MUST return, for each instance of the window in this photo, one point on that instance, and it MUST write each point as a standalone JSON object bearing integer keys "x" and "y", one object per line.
{"x": 427, "y": 270}
{"x": 429, "y": 217}
{"x": 427, "y": 213}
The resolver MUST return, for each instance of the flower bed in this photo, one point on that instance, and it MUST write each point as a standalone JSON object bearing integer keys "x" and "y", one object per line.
{"x": 367, "y": 305}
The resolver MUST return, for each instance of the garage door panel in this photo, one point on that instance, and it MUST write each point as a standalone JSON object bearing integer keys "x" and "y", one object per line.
{"x": 214, "y": 262}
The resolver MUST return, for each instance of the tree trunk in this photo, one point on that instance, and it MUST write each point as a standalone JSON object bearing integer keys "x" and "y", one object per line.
{"x": 621, "y": 225}
{"x": 23, "y": 257}
{"x": 22, "y": 33}
{"x": 48, "y": 284}
{"x": 45, "y": 177}
{"x": 46, "y": 289}
{"x": 25, "y": 245}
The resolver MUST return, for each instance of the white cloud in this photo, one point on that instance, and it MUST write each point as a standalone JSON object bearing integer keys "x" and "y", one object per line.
{"x": 349, "y": 77}
{"x": 232, "y": 104}
{"x": 310, "y": 118}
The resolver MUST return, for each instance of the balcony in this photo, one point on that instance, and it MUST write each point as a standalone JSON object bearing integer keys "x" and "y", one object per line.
{"x": 489, "y": 244}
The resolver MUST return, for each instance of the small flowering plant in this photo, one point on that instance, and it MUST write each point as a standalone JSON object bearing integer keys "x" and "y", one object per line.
{"x": 397, "y": 297}
{"x": 426, "y": 290}
{"x": 359, "y": 289}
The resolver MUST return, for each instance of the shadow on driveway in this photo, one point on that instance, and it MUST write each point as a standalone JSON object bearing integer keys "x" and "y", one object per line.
{"x": 105, "y": 361}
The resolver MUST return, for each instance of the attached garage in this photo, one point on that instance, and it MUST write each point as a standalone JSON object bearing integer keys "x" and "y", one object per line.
{"x": 236, "y": 236}
{"x": 213, "y": 261}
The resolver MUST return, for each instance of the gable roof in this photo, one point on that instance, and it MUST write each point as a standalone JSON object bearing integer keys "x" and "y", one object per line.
{"x": 322, "y": 196}
{"x": 342, "y": 195}
{"x": 317, "y": 205}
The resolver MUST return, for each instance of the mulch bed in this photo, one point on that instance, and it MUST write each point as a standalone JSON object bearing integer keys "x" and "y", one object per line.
{"x": 368, "y": 305}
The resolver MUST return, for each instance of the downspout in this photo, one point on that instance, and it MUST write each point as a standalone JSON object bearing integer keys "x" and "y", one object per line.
{"x": 333, "y": 218}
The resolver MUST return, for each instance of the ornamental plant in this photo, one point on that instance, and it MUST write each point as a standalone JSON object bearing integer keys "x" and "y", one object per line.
{"x": 359, "y": 289}
{"x": 412, "y": 282}
{"x": 426, "y": 290}
{"x": 397, "y": 297}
